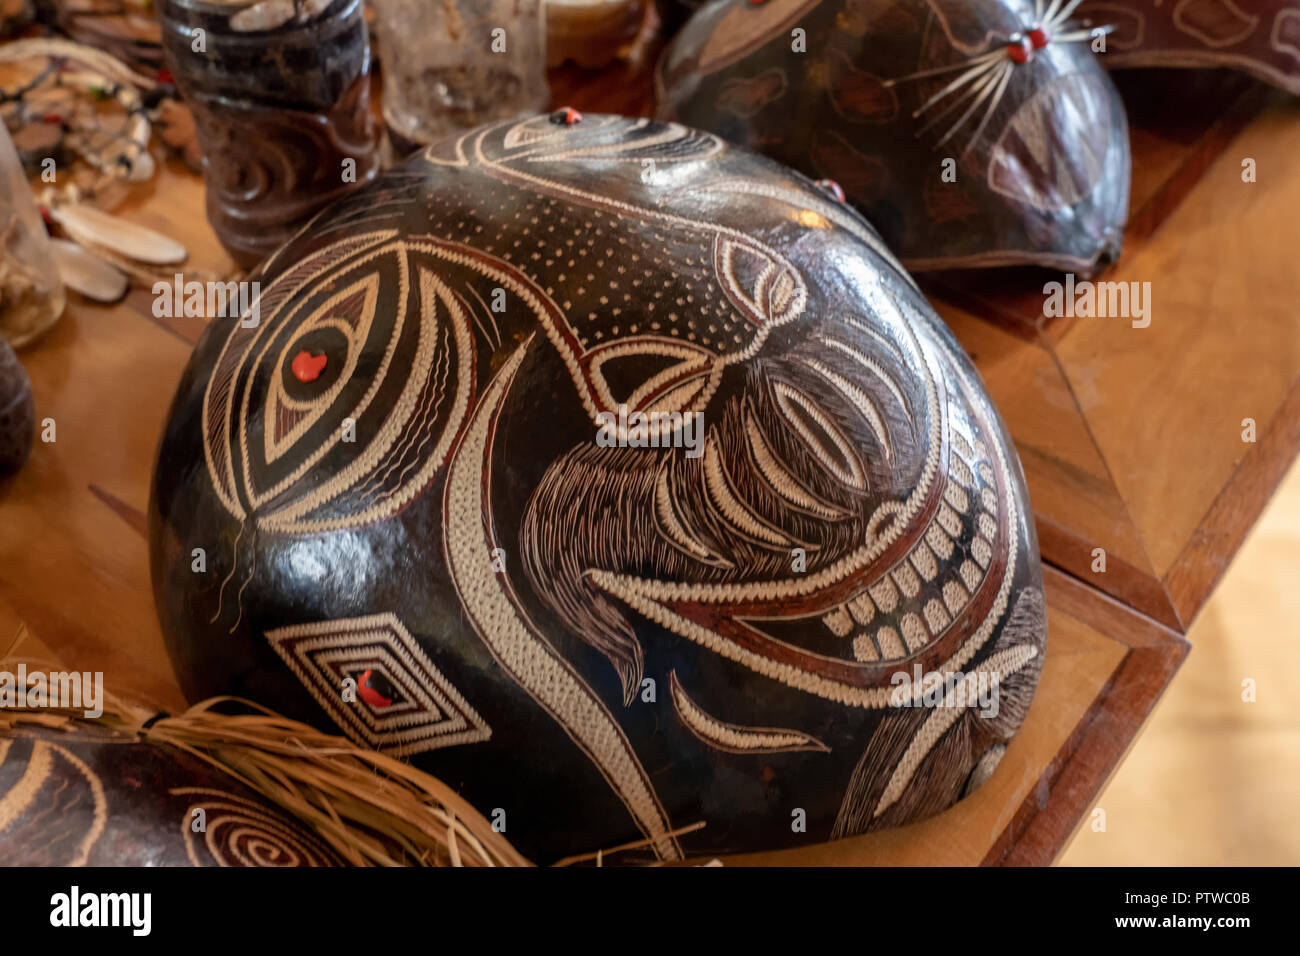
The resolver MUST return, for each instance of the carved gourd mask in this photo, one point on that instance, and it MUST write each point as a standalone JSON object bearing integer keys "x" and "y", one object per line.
{"x": 970, "y": 132}
{"x": 617, "y": 477}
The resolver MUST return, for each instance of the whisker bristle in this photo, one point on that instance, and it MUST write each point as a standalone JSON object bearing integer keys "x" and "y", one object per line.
{"x": 937, "y": 71}
{"x": 970, "y": 76}
{"x": 988, "y": 114}
{"x": 1067, "y": 12}
{"x": 982, "y": 92}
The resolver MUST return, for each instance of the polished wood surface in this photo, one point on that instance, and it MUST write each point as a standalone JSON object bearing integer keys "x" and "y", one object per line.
{"x": 1130, "y": 438}
{"x": 1214, "y": 778}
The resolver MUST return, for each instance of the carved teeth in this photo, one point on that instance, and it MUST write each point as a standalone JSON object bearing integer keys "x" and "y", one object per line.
{"x": 863, "y": 649}
{"x": 955, "y": 596}
{"x": 939, "y": 541}
{"x": 914, "y": 632}
{"x": 907, "y": 580}
{"x": 961, "y": 445}
{"x": 884, "y": 594}
{"x": 936, "y": 616}
{"x": 948, "y": 519}
{"x": 923, "y": 561}
{"x": 838, "y": 621}
{"x": 862, "y": 609}
{"x": 890, "y": 646}
{"x": 960, "y": 473}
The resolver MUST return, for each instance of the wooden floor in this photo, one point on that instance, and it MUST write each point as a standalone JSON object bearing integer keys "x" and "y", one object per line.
{"x": 1214, "y": 780}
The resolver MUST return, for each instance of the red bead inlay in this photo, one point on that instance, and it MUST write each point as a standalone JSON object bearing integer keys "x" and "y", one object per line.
{"x": 369, "y": 694}
{"x": 1039, "y": 37}
{"x": 307, "y": 367}
{"x": 1020, "y": 51}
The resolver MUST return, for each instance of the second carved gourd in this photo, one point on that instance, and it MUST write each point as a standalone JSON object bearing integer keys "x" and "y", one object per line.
{"x": 971, "y": 133}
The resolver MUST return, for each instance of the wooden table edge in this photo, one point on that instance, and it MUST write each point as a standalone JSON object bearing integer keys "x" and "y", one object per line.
{"x": 1058, "y": 803}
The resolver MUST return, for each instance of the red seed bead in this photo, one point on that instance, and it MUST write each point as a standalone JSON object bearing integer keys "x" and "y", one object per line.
{"x": 566, "y": 117}
{"x": 1039, "y": 38}
{"x": 369, "y": 694}
{"x": 307, "y": 367}
{"x": 1020, "y": 50}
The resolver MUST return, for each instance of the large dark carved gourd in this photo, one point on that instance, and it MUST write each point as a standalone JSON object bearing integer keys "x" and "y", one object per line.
{"x": 971, "y": 132}
{"x": 396, "y": 480}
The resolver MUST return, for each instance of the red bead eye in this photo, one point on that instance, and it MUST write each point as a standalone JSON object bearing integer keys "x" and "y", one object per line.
{"x": 566, "y": 117}
{"x": 1039, "y": 38}
{"x": 307, "y": 367}
{"x": 369, "y": 694}
{"x": 1020, "y": 50}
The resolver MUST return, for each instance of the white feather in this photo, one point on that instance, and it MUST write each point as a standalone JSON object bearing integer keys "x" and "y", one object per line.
{"x": 87, "y": 273}
{"x": 90, "y": 225}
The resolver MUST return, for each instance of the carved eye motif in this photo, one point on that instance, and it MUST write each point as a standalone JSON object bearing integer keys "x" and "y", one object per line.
{"x": 307, "y": 366}
{"x": 338, "y": 406}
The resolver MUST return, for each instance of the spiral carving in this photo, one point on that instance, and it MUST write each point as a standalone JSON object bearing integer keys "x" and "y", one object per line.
{"x": 239, "y": 832}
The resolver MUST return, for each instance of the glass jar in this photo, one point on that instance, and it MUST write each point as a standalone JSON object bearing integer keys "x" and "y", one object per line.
{"x": 31, "y": 292}
{"x": 451, "y": 65}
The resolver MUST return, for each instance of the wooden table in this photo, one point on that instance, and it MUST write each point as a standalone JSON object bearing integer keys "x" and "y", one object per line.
{"x": 1131, "y": 440}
